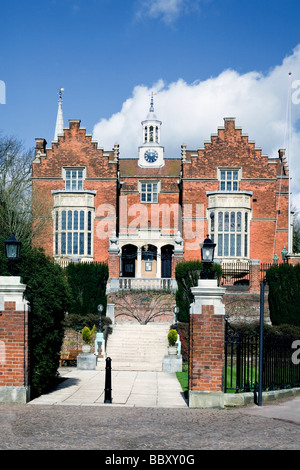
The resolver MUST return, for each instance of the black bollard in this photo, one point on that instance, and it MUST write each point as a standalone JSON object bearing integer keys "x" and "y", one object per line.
{"x": 107, "y": 390}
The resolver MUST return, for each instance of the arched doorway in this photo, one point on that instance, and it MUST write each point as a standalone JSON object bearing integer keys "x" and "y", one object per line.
{"x": 128, "y": 258}
{"x": 166, "y": 260}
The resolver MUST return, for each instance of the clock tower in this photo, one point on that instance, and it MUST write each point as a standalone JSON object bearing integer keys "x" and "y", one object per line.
{"x": 151, "y": 153}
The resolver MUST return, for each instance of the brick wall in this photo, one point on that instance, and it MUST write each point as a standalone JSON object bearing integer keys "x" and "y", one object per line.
{"x": 266, "y": 178}
{"x": 14, "y": 359}
{"x": 206, "y": 351}
{"x": 137, "y": 306}
{"x": 183, "y": 181}
{"x": 75, "y": 149}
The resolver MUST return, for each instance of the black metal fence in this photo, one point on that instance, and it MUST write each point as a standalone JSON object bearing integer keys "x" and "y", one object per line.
{"x": 264, "y": 268}
{"x": 280, "y": 368}
{"x": 236, "y": 274}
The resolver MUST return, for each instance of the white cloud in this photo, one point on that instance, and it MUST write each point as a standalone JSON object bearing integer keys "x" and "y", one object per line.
{"x": 190, "y": 113}
{"x": 167, "y": 10}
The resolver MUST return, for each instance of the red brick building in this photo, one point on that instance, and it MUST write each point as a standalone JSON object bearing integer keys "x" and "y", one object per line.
{"x": 144, "y": 213}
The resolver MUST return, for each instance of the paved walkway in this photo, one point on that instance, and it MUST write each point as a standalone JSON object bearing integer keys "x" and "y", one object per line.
{"x": 148, "y": 413}
{"x": 129, "y": 388}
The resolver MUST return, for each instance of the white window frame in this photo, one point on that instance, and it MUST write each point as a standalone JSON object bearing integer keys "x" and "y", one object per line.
{"x": 229, "y": 178}
{"x": 230, "y": 230}
{"x": 76, "y": 183}
{"x": 147, "y": 192}
{"x": 73, "y": 227}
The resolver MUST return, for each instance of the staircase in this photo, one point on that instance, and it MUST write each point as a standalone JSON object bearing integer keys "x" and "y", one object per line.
{"x": 138, "y": 347}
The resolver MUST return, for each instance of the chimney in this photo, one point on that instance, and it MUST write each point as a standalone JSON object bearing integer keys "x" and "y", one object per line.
{"x": 40, "y": 145}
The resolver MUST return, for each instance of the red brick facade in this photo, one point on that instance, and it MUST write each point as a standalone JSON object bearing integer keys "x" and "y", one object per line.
{"x": 227, "y": 189}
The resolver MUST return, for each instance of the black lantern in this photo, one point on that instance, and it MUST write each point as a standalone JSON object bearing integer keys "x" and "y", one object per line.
{"x": 12, "y": 248}
{"x": 207, "y": 250}
{"x": 176, "y": 311}
{"x": 207, "y": 255}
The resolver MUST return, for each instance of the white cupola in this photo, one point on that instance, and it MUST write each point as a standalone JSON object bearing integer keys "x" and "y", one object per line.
{"x": 151, "y": 152}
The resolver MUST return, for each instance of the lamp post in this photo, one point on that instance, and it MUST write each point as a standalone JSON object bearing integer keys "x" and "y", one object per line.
{"x": 207, "y": 255}
{"x": 99, "y": 337}
{"x": 100, "y": 310}
{"x": 12, "y": 251}
{"x": 284, "y": 254}
{"x": 261, "y": 341}
{"x": 275, "y": 260}
{"x": 175, "y": 311}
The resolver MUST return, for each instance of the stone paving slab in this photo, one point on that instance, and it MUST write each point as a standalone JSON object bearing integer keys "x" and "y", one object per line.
{"x": 129, "y": 388}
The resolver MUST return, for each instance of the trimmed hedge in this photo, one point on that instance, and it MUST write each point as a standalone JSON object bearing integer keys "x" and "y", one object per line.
{"x": 284, "y": 294}
{"x": 48, "y": 293}
{"x": 87, "y": 283}
{"x": 187, "y": 275}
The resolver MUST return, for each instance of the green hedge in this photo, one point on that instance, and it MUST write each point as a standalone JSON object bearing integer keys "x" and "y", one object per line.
{"x": 87, "y": 283}
{"x": 284, "y": 294}
{"x": 187, "y": 275}
{"x": 48, "y": 293}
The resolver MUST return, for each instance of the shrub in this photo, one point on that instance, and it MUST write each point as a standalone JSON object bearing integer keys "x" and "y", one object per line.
{"x": 187, "y": 275}
{"x": 87, "y": 283}
{"x": 284, "y": 294}
{"x": 172, "y": 337}
{"x": 48, "y": 294}
{"x": 88, "y": 335}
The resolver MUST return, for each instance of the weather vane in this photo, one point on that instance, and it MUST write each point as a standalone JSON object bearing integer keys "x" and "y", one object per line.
{"x": 60, "y": 93}
{"x": 152, "y": 102}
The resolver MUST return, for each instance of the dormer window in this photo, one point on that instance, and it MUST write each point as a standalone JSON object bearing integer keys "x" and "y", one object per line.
{"x": 229, "y": 179}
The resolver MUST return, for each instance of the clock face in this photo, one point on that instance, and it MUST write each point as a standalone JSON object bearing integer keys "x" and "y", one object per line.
{"x": 151, "y": 156}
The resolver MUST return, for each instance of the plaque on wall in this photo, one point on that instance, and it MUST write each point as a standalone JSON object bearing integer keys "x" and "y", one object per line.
{"x": 148, "y": 266}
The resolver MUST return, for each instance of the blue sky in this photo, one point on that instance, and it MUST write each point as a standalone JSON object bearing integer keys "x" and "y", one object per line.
{"x": 207, "y": 59}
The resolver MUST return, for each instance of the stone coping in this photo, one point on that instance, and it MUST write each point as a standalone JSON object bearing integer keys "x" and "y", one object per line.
{"x": 247, "y": 398}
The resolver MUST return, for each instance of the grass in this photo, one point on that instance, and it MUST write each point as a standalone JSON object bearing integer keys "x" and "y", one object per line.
{"x": 183, "y": 379}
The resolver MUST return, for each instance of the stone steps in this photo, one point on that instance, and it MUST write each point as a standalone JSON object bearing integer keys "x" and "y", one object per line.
{"x": 137, "y": 347}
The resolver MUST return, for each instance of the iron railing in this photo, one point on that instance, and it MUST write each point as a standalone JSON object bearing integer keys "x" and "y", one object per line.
{"x": 241, "y": 361}
{"x": 237, "y": 274}
{"x": 264, "y": 268}
{"x": 241, "y": 373}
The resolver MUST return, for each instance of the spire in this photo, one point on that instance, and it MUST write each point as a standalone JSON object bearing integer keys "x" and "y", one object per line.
{"x": 59, "y": 128}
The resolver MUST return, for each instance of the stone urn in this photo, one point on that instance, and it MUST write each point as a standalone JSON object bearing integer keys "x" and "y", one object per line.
{"x": 86, "y": 348}
{"x": 172, "y": 350}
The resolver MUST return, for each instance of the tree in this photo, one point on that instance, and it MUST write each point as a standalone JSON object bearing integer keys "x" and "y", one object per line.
{"x": 284, "y": 294}
{"x": 87, "y": 283}
{"x": 48, "y": 294}
{"x": 296, "y": 231}
{"x": 130, "y": 304}
{"x": 15, "y": 188}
